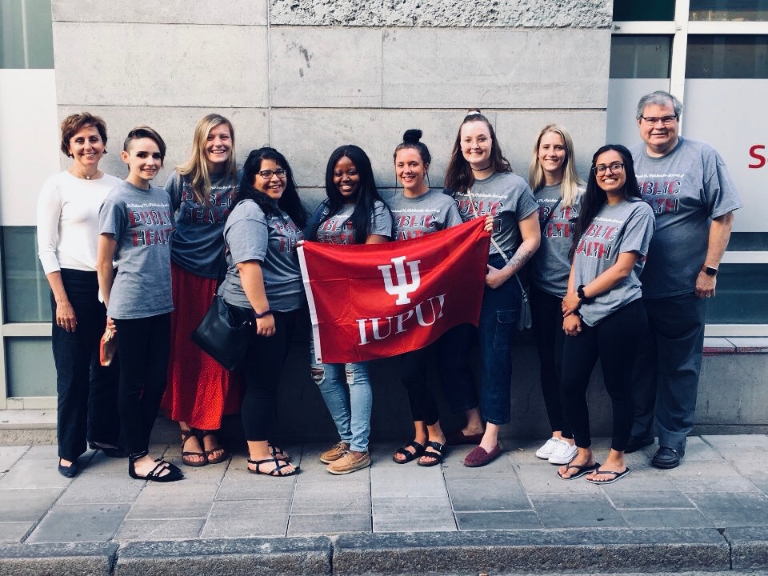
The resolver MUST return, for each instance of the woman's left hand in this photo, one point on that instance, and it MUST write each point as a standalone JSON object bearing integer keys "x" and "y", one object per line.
{"x": 572, "y": 325}
{"x": 488, "y": 224}
{"x": 495, "y": 277}
{"x": 571, "y": 303}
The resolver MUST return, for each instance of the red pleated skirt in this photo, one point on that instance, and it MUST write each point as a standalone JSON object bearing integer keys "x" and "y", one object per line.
{"x": 200, "y": 391}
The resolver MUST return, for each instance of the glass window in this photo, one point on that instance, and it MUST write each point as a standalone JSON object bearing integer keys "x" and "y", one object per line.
{"x": 742, "y": 290}
{"x": 31, "y": 371}
{"x": 727, "y": 57}
{"x": 27, "y": 295}
{"x": 643, "y": 10}
{"x": 731, "y": 10}
{"x": 26, "y": 36}
{"x": 640, "y": 56}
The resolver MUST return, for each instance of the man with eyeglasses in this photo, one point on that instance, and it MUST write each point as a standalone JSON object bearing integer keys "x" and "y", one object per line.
{"x": 693, "y": 197}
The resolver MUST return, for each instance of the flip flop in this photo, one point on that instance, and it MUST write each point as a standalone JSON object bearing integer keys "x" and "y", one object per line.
{"x": 612, "y": 480}
{"x": 582, "y": 470}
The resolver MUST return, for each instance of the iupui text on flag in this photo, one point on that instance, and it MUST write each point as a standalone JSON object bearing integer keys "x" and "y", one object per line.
{"x": 371, "y": 301}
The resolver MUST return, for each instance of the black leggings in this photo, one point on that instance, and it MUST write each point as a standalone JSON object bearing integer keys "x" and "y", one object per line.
{"x": 262, "y": 370}
{"x": 614, "y": 340}
{"x": 143, "y": 345}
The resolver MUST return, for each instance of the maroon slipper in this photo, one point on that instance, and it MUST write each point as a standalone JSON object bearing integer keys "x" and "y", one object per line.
{"x": 479, "y": 457}
{"x": 458, "y": 438}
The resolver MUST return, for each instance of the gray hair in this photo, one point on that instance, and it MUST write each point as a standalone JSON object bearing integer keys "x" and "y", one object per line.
{"x": 659, "y": 98}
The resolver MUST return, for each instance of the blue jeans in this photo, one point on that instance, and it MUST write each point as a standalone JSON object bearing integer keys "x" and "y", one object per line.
{"x": 498, "y": 322}
{"x": 87, "y": 391}
{"x": 350, "y": 412}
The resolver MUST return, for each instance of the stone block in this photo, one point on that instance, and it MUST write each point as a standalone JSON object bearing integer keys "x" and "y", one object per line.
{"x": 729, "y": 510}
{"x": 512, "y": 520}
{"x": 429, "y": 13}
{"x": 176, "y": 126}
{"x": 732, "y": 390}
{"x": 59, "y": 559}
{"x": 19, "y": 505}
{"x": 749, "y": 548}
{"x": 248, "y": 518}
{"x": 80, "y": 523}
{"x": 338, "y": 523}
{"x": 576, "y": 511}
{"x": 231, "y": 557}
{"x": 535, "y": 69}
{"x": 186, "y": 65}
{"x": 233, "y": 12}
{"x": 307, "y": 68}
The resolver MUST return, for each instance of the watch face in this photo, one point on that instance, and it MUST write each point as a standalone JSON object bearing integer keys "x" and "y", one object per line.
{"x": 709, "y": 271}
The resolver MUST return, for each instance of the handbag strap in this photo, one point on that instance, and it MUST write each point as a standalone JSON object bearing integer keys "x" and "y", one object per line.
{"x": 496, "y": 245}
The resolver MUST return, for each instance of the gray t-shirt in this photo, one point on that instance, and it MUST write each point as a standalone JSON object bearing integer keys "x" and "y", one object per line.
{"x": 506, "y": 197}
{"x": 338, "y": 229}
{"x": 198, "y": 240}
{"x": 550, "y": 265}
{"x": 250, "y": 235}
{"x": 142, "y": 223}
{"x": 624, "y": 227}
{"x": 426, "y": 214}
{"x": 685, "y": 189}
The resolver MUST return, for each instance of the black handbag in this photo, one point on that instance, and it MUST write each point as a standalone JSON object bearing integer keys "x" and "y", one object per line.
{"x": 225, "y": 333}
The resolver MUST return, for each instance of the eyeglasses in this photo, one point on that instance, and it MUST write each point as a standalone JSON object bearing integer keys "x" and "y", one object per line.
{"x": 653, "y": 120}
{"x": 267, "y": 174}
{"x": 615, "y": 168}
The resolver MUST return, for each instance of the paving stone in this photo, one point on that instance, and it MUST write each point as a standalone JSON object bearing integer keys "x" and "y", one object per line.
{"x": 239, "y": 484}
{"x": 575, "y": 511}
{"x": 14, "y": 531}
{"x": 749, "y": 548}
{"x": 643, "y": 478}
{"x": 106, "y": 482}
{"x": 698, "y": 450}
{"x": 542, "y": 478}
{"x": 734, "y": 510}
{"x": 709, "y": 477}
{"x": 80, "y": 523}
{"x": 406, "y": 481}
{"x": 167, "y": 501}
{"x": 497, "y": 520}
{"x": 247, "y": 518}
{"x": 19, "y": 505}
{"x": 412, "y": 514}
{"x": 665, "y": 518}
{"x": 338, "y": 523}
{"x": 34, "y": 472}
{"x": 640, "y": 500}
{"x": 330, "y": 501}
{"x": 159, "y": 529}
{"x": 9, "y": 455}
{"x": 454, "y": 468}
{"x": 492, "y": 494}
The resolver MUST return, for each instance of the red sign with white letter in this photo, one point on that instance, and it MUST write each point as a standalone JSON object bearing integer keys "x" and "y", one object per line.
{"x": 378, "y": 300}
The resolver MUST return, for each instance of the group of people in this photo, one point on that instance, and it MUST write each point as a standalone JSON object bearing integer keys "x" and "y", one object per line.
{"x": 147, "y": 263}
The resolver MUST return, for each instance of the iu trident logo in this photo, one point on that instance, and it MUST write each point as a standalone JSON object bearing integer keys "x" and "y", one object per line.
{"x": 403, "y": 287}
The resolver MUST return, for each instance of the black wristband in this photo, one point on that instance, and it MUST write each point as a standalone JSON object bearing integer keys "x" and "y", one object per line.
{"x": 258, "y": 315}
{"x": 582, "y": 297}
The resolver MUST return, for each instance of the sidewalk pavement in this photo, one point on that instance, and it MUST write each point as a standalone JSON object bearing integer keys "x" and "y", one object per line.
{"x": 514, "y": 516}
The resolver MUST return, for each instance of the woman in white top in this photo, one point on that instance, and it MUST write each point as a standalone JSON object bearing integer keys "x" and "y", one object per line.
{"x": 67, "y": 234}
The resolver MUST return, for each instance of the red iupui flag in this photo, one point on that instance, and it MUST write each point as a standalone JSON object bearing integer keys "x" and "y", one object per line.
{"x": 371, "y": 301}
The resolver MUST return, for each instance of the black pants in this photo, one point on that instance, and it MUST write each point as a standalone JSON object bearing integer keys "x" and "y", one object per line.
{"x": 547, "y": 318}
{"x": 87, "y": 392}
{"x": 262, "y": 370}
{"x": 143, "y": 345}
{"x": 614, "y": 341}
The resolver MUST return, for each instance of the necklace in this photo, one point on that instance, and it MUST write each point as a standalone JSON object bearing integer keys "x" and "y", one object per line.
{"x": 480, "y": 169}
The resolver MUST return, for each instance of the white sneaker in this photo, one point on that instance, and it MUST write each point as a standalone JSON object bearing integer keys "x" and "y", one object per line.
{"x": 563, "y": 453}
{"x": 546, "y": 450}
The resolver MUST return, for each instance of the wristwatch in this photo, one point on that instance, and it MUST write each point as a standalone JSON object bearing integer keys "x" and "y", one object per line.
{"x": 709, "y": 270}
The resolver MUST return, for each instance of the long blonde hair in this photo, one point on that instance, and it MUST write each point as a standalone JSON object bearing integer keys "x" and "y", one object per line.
{"x": 569, "y": 187}
{"x": 196, "y": 167}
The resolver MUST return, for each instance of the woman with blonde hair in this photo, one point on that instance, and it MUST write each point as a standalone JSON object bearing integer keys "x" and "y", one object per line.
{"x": 200, "y": 391}
{"x": 557, "y": 189}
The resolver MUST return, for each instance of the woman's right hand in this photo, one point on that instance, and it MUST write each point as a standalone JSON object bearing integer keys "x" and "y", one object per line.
{"x": 265, "y": 326}
{"x": 572, "y": 325}
{"x": 65, "y": 316}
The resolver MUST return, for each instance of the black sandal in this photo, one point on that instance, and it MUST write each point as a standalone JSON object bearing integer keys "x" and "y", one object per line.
{"x": 436, "y": 454}
{"x": 155, "y": 475}
{"x": 276, "y": 472}
{"x": 278, "y": 453}
{"x": 409, "y": 456}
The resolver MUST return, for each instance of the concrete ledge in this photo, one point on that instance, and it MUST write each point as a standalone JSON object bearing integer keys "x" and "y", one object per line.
{"x": 749, "y": 547}
{"x": 535, "y": 551}
{"x": 59, "y": 559}
{"x": 246, "y": 556}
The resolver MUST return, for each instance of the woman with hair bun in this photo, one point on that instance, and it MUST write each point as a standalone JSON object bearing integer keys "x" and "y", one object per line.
{"x": 603, "y": 315}
{"x": 557, "y": 189}
{"x": 352, "y": 213}
{"x": 481, "y": 181}
{"x": 200, "y": 391}
{"x": 419, "y": 211}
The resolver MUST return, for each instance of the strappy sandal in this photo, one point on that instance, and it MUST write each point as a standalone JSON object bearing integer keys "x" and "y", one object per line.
{"x": 436, "y": 454}
{"x": 156, "y": 474}
{"x": 278, "y": 453}
{"x": 209, "y": 453}
{"x": 407, "y": 455}
{"x": 276, "y": 472}
{"x": 186, "y": 435}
